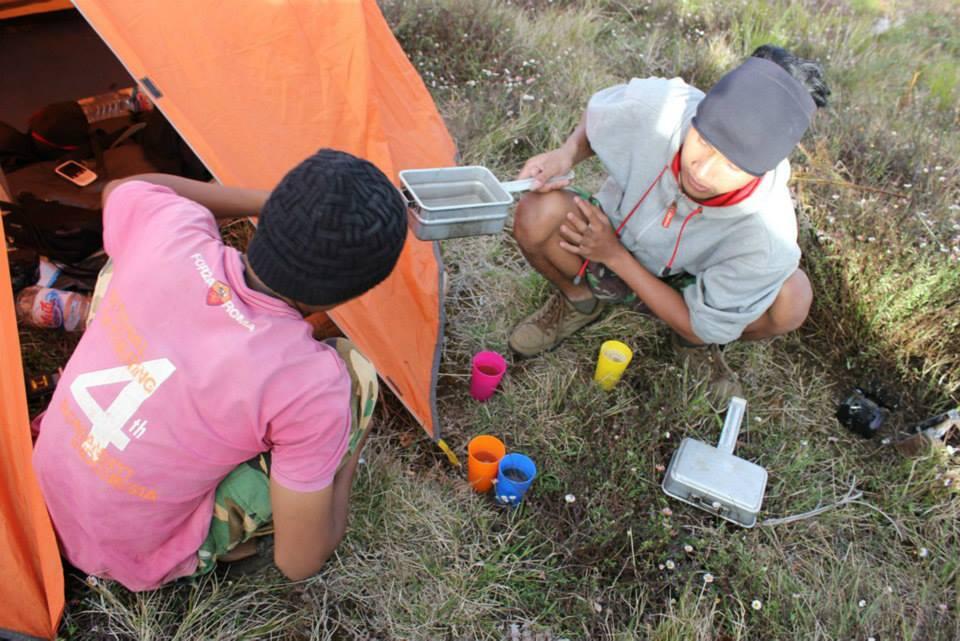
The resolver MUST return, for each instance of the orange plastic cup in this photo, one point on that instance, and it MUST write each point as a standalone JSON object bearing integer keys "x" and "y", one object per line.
{"x": 483, "y": 457}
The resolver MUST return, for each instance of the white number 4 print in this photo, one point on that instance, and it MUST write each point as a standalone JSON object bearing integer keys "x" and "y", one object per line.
{"x": 142, "y": 379}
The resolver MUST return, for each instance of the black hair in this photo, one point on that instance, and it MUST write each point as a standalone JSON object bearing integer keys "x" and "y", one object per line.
{"x": 809, "y": 73}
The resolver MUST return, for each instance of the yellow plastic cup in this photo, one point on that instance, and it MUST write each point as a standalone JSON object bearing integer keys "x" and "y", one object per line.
{"x": 613, "y": 359}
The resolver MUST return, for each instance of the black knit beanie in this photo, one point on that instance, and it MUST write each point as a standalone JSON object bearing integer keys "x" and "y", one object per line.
{"x": 331, "y": 230}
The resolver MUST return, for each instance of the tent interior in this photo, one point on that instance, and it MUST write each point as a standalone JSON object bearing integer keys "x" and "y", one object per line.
{"x": 50, "y": 57}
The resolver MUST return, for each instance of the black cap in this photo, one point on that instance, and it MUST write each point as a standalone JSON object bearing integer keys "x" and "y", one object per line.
{"x": 331, "y": 230}
{"x": 755, "y": 115}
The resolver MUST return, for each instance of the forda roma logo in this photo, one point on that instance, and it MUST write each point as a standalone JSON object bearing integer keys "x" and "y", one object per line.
{"x": 218, "y": 294}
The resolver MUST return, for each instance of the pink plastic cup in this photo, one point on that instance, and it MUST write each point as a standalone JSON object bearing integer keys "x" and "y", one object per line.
{"x": 488, "y": 369}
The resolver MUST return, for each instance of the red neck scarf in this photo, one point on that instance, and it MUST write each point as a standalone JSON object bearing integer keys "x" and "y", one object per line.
{"x": 720, "y": 200}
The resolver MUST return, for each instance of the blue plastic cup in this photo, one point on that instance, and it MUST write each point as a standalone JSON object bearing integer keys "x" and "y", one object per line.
{"x": 514, "y": 476}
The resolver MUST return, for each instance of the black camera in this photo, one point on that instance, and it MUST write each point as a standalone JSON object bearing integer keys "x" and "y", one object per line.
{"x": 862, "y": 412}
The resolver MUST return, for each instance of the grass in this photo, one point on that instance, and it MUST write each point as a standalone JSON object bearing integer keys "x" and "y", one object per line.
{"x": 879, "y": 182}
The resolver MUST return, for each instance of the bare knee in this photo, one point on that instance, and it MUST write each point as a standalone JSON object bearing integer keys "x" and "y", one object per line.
{"x": 538, "y": 217}
{"x": 792, "y": 305}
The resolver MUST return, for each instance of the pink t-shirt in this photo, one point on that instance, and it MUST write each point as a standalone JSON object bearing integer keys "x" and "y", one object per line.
{"x": 184, "y": 374}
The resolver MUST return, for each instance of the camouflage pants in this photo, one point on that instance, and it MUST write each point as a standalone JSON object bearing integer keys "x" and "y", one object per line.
{"x": 241, "y": 509}
{"x": 610, "y": 288}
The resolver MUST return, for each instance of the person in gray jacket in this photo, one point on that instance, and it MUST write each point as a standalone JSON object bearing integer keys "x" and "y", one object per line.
{"x": 694, "y": 224}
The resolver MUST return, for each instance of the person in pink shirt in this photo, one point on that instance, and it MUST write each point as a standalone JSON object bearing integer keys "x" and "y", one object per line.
{"x": 197, "y": 407}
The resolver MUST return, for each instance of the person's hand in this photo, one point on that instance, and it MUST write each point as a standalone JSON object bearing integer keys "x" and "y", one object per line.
{"x": 589, "y": 234}
{"x": 545, "y": 166}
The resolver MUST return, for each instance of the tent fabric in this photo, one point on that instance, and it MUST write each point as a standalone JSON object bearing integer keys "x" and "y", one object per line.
{"x": 17, "y": 8}
{"x": 253, "y": 87}
{"x": 30, "y": 573}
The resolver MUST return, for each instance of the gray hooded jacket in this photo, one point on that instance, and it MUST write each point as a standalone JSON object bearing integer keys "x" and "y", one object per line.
{"x": 740, "y": 254}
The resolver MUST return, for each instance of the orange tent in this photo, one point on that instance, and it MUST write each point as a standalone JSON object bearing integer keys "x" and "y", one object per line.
{"x": 253, "y": 87}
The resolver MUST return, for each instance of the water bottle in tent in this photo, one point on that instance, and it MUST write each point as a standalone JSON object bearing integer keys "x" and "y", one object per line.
{"x": 47, "y": 307}
{"x": 114, "y": 104}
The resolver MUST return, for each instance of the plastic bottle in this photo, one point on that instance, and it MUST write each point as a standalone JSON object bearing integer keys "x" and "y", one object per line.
{"x": 113, "y": 104}
{"x": 46, "y": 307}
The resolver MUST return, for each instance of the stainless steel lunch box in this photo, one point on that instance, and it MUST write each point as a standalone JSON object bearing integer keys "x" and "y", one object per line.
{"x": 713, "y": 479}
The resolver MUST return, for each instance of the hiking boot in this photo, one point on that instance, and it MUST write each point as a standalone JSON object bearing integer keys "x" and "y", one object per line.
{"x": 708, "y": 360}
{"x": 548, "y": 326}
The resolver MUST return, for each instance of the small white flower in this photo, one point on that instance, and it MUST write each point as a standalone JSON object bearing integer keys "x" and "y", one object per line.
{"x": 670, "y": 564}
{"x": 569, "y": 498}
{"x": 666, "y": 435}
{"x": 688, "y": 548}
{"x": 862, "y": 603}
{"x": 757, "y": 604}
{"x": 708, "y": 578}
{"x": 924, "y": 553}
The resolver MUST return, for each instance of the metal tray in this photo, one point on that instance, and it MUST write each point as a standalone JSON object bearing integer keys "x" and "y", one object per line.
{"x": 454, "y": 227}
{"x": 451, "y": 202}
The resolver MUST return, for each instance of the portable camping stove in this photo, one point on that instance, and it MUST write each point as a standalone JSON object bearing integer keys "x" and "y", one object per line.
{"x": 713, "y": 479}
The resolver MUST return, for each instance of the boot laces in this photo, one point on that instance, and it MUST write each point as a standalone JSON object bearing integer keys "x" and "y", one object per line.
{"x": 551, "y": 314}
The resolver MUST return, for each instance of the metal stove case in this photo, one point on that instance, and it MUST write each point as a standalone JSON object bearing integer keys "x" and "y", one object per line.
{"x": 713, "y": 479}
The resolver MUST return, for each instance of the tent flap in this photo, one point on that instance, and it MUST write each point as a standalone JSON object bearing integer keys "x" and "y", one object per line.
{"x": 255, "y": 87}
{"x": 30, "y": 571}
